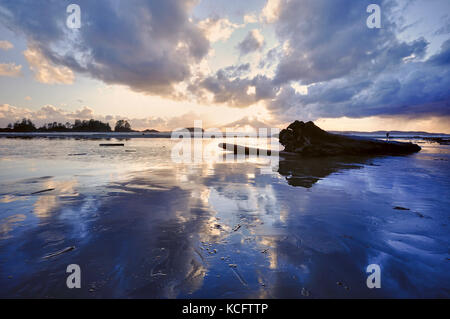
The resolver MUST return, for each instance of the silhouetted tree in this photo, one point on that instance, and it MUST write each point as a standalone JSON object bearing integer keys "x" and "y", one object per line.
{"x": 90, "y": 126}
{"x": 25, "y": 126}
{"x": 79, "y": 126}
{"x": 122, "y": 126}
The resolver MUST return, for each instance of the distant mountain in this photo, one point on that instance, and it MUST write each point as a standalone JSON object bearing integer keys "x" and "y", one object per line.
{"x": 244, "y": 123}
{"x": 391, "y": 133}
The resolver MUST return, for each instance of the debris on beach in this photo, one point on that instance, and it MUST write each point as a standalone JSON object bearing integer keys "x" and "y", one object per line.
{"x": 341, "y": 284}
{"x": 65, "y": 250}
{"x": 43, "y": 191}
{"x": 241, "y": 150}
{"x": 400, "y": 208}
{"x": 113, "y": 144}
{"x": 305, "y": 292}
{"x": 77, "y": 154}
{"x": 239, "y": 276}
{"x": 307, "y": 139}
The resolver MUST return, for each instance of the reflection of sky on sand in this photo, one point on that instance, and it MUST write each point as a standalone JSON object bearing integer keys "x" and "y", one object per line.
{"x": 144, "y": 226}
{"x": 45, "y": 204}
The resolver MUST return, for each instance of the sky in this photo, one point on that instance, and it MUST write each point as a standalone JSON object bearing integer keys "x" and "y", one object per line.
{"x": 162, "y": 64}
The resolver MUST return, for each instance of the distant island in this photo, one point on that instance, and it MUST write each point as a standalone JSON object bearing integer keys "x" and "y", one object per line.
{"x": 27, "y": 126}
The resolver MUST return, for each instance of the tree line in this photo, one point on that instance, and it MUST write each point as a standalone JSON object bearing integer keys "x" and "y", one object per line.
{"x": 92, "y": 125}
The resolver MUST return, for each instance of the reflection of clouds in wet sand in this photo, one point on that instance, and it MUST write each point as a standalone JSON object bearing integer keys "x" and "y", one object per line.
{"x": 8, "y": 199}
{"x": 9, "y": 223}
{"x": 216, "y": 229}
{"x": 46, "y": 204}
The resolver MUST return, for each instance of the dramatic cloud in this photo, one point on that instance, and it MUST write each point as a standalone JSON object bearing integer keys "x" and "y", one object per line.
{"x": 409, "y": 88}
{"x": 319, "y": 58}
{"x": 10, "y": 69}
{"x": 6, "y": 45}
{"x": 347, "y": 69}
{"x": 226, "y": 87}
{"x": 337, "y": 41}
{"x": 252, "y": 42}
{"x": 44, "y": 71}
{"x": 146, "y": 45}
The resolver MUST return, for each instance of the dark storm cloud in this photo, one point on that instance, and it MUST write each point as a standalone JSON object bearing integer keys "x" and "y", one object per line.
{"x": 413, "y": 89}
{"x": 330, "y": 39}
{"x": 353, "y": 70}
{"x": 146, "y": 45}
{"x": 252, "y": 42}
{"x": 234, "y": 91}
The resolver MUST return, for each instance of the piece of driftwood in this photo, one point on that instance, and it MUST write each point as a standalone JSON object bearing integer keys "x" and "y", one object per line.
{"x": 308, "y": 140}
{"x": 65, "y": 250}
{"x": 112, "y": 144}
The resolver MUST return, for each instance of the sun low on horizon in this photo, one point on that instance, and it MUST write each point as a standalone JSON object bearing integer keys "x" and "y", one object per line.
{"x": 165, "y": 64}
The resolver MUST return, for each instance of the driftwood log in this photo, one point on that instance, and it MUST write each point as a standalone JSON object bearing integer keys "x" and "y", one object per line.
{"x": 306, "y": 139}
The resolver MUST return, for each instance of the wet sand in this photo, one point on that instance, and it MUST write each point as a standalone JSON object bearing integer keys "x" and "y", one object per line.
{"x": 142, "y": 226}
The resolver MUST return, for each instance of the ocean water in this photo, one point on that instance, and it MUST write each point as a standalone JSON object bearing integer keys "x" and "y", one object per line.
{"x": 146, "y": 226}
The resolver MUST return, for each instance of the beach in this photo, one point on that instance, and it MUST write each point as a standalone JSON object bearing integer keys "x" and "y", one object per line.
{"x": 140, "y": 225}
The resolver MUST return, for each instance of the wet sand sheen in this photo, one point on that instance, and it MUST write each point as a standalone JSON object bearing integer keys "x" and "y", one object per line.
{"x": 144, "y": 227}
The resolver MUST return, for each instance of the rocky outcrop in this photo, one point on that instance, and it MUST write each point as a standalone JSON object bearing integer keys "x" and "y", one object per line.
{"x": 306, "y": 139}
{"x": 440, "y": 140}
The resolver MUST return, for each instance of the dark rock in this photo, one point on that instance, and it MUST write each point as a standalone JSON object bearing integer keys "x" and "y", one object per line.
{"x": 307, "y": 139}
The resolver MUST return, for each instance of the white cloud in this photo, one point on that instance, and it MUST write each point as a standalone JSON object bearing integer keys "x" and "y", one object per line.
{"x": 6, "y": 45}
{"x": 44, "y": 71}
{"x": 271, "y": 12}
{"x": 250, "y": 18}
{"x": 148, "y": 46}
{"x": 10, "y": 69}
{"x": 216, "y": 29}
